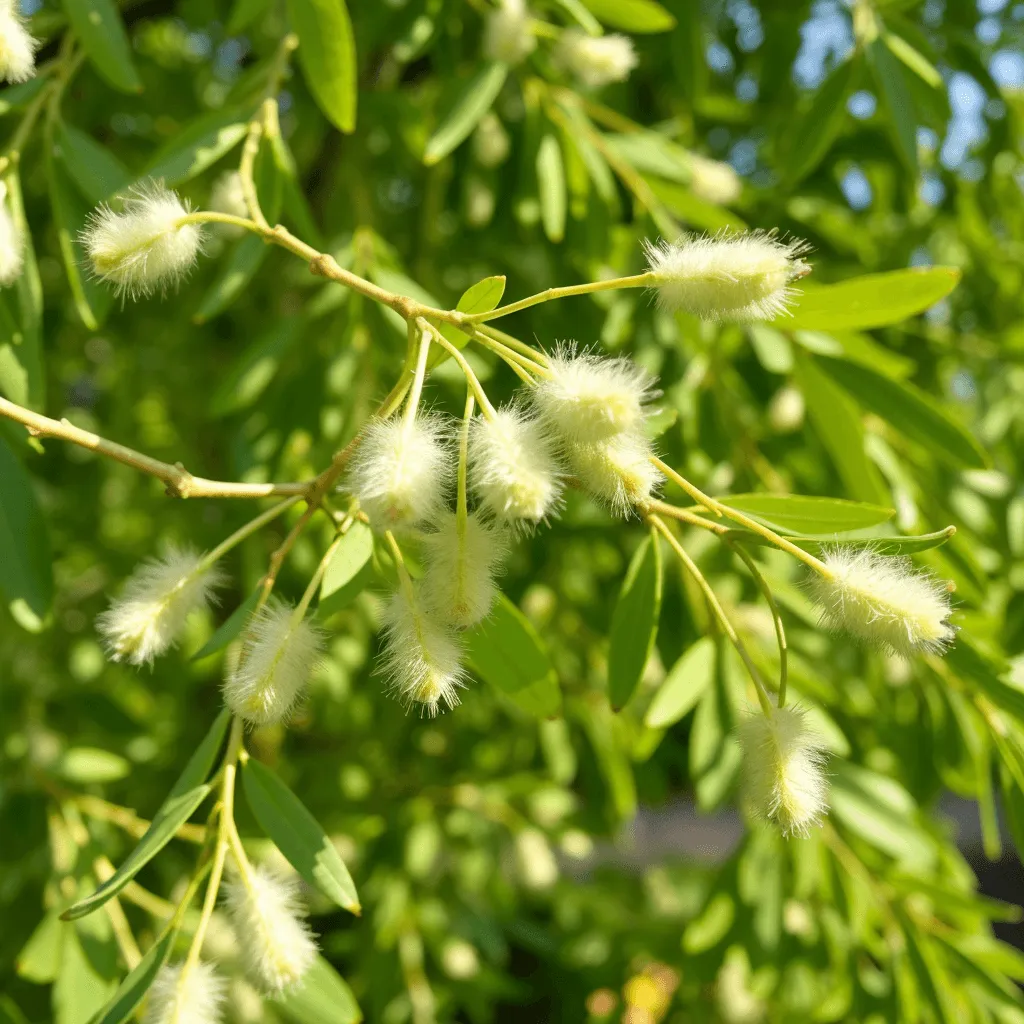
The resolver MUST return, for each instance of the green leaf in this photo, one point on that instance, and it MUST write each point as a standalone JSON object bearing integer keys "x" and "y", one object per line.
{"x": 873, "y": 300}
{"x": 39, "y": 959}
{"x": 89, "y": 765}
{"x": 837, "y": 420}
{"x": 198, "y": 145}
{"x": 897, "y": 101}
{"x": 70, "y": 213}
{"x": 98, "y": 25}
{"x": 471, "y": 103}
{"x": 914, "y": 59}
{"x": 256, "y": 367}
{"x": 345, "y": 575}
{"x": 977, "y": 668}
{"x": 880, "y": 811}
{"x": 508, "y": 654}
{"x": 243, "y": 13}
{"x": 632, "y": 15}
{"x": 80, "y": 988}
{"x": 29, "y": 290}
{"x": 910, "y": 410}
{"x": 322, "y": 998}
{"x": 92, "y": 167}
{"x": 882, "y": 545}
{"x": 187, "y": 794}
{"x": 297, "y": 835}
{"x": 235, "y": 274}
{"x": 26, "y": 576}
{"x": 551, "y": 187}
{"x": 17, "y": 97}
{"x": 711, "y": 926}
{"x": 481, "y": 297}
{"x": 229, "y": 629}
{"x": 634, "y": 623}
{"x": 137, "y": 982}
{"x": 798, "y": 513}
{"x": 684, "y": 685}
{"x": 327, "y": 55}
{"x": 813, "y": 131}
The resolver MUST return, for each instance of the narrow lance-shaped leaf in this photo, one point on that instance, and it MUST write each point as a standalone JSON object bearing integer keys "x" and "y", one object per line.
{"x": 551, "y": 187}
{"x": 632, "y": 15}
{"x": 297, "y": 834}
{"x": 813, "y": 131}
{"x": 327, "y": 55}
{"x": 188, "y": 793}
{"x": 471, "y": 104}
{"x": 229, "y": 629}
{"x": 321, "y": 998}
{"x": 98, "y": 24}
{"x": 797, "y": 513}
{"x": 137, "y": 982}
{"x": 910, "y": 410}
{"x": 507, "y": 653}
{"x": 684, "y": 685}
{"x": 198, "y": 145}
{"x": 635, "y": 622}
{"x": 873, "y": 300}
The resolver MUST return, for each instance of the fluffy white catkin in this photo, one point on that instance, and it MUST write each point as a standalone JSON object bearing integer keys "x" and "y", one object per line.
{"x": 278, "y": 655}
{"x": 596, "y": 60}
{"x": 512, "y": 467}
{"x": 727, "y": 276}
{"x": 458, "y": 586}
{"x": 589, "y": 398}
{"x": 148, "y": 617}
{"x": 617, "y": 471}
{"x": 12, "y": 249}
{"x": 883, "y": 600}
{"x": 783, "y": 769}
{"x": 422, "y": 655}
{"x": 508, "y": 38}
{"x": 198, "y": 999}
{"x": 270, "y": 921}
{"x": 144, "y": 247}
{"x": 17, "y": 47}
{"x": 401, "y": 472}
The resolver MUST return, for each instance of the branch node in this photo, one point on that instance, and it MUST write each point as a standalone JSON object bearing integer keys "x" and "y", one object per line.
{"x": 319, "y": 265}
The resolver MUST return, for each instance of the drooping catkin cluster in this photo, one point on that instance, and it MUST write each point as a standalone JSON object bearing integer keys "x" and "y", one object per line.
{"x": 883, "y": 600}
{"x": 280, "y": 649}
{"x": 595, "y": 60}
{"x": 508, "y": 36}
{"x": 146, "y": 245}
{"x": 595, "y": 409}
{"x": 149, "y": 616}
{"x": 783, "y": 769}
{"x": 195, "y": 998}
{"x": 277, "y": 944}
{"x": 727, "y": 276}
{"x": 17, "y": 47}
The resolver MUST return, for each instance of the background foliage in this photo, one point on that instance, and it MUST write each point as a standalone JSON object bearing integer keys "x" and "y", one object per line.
{"x": 481, "y": 842}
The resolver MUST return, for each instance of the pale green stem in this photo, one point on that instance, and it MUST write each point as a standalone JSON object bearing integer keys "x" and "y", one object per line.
{"x": 240, "y": 534}
{"x": 513, "y": 342}
{"x": 721, "y": 509}
{"x": 683, "y": 515}
{"x": 467, "y": 370}
{"x": 521, "y": 365}
{"x": 462, "y": 510}
{"x": 780, "y": 629}
{"x": 719, "y": 611}
{"x": 416, "y": 391}
{"x": 404, "y": 579}
{"x": 245, "y": 172}
{"x": 635, "y": 281}
{"x": 314, "y": 583}
{"x": 213, "y": 217}
{"x": 225, "y": 817}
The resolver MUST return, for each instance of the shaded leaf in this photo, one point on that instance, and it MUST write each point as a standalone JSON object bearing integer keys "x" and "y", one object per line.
{"x": 635, "y": 622}
{"x": 133, "y": 989}
{"x": 470, "y": 105}
{"x": 98, "y": 24}
{"x": 198, "y": 145}
{"x": 229, "y": 629}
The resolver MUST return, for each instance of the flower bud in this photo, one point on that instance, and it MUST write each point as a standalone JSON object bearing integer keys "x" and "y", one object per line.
{"x": 491, "y": 143}
{"x": 12, "y": 248}
{"x": 883, "y": 600}
{"x": 596, "y": 60}
{"x": 590, "y": 398}
{"x": 228, "y": 196}
{"x": 149, "y": 616}
{"x": 401, "y": 471}
{"x": 197, "y": 998}
{"x": 714, "y": 181}
{"x": 617, "y": 471}
{"x": 728, "y": 276}
{"x": 145, "y": 246}
{"x": 508, "y": 38}
{"x": 17, "y": 47}
{"x": 422, "y": 656}
{"x": 783, "y": 769}
{"x": 279, "y": 652}
{"x": 277, "y": 944}
{"x": 512, "y": 467}
{"x": 459, "y": 583}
